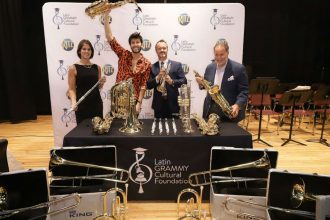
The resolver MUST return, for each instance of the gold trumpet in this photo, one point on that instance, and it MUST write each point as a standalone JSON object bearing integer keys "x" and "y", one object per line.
{"x": 8, "y": 214}
{"x": 118, "y": 210}
{"x": 244, "y": 215}
{"x": 162, "y": 87}
{"x": 205, "y": 177}
{"x": 193, "y": 209}
{"x": 215, "y": 93}
{"x": 210, "y": 127}
{"x": 101, "y": 126}
{"x": 119, "y": 175}
{"x": 101, "y": 6}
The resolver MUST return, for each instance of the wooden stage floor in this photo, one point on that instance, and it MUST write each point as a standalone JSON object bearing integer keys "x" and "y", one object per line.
{"x": 30, "y": 142}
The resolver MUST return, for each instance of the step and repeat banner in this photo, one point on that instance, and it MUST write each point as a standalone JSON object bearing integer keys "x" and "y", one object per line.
{"x": 190, "y": 30}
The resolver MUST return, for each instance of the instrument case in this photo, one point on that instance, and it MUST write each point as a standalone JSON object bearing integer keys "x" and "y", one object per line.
{"x": 279, "y": 195}
{"x": 26, "y": 188}
{"x": 253, "y": 191}
{"x": 91, "y": 191}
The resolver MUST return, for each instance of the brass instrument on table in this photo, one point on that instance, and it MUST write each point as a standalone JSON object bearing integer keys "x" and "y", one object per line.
{"x": 184, "y": 101}
{"x": 101, "y": 126}
{"x": 123, "y": 106}
{"x": 205, "y": 177}
{"x": 210, "y": 127}
{"x": 162, "y": 87}
{"x": 244, "y": 215}
{"x": 8, "y": 214}
{"x": 193, "y": 206}
{"x": 101, "y": 6}
{"x": 119, "y": 207}
{"x": 216, "y": 95}
{"x": 299, "y": 195}
{"x": 118, "y": 175}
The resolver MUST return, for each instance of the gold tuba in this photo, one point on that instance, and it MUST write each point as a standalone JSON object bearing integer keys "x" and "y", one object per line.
{"x": 216, "y": 95}
{"x": 123, "y": 106}
{"x": 99, "y": 7}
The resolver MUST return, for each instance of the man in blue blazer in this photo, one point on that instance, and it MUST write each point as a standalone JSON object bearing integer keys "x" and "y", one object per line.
{"x": 233, "y": 81}
{"x": 170, "y": 74}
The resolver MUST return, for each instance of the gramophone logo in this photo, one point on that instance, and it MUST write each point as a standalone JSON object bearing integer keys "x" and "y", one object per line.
{"x": 146, "y": 45}
{"x": 57, "y": 19}
{"x": 101, "y": 19}
{"x": 137, "y": 20}
{"x": 98, "y": 46}
{"x": 148, "y": 94}
{"x": 65, "y": 118}
{"x": 215, "y": 20}
{"x": 61, "y": 70}
{"x": 108, "y": 69}
{"x": 185, "y": 68}
{"x": 184, "y": 19}
{"x": 67, "y": 44}
{"x": 105, "y": 94}
{"x": 140, "y": 173}
{"x": 175, "y": 44}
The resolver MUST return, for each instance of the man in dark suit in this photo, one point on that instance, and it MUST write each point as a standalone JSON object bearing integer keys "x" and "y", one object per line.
{"x": 168, "y": 76}
{"x": 233, "y": 81}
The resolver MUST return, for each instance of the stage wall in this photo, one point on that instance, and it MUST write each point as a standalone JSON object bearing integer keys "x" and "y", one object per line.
{"x": 191, "y": 31}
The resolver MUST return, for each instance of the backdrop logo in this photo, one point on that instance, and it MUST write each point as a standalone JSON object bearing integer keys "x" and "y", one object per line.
{"x": 66, "y": 118}
{"x": 184, "y": 19}
{"x": 137, "y": 20}
{"x": 185, "y": 68}
{"x": 140, "y": 173}
{"x": 148, "y": 94}
{"x": 106, "y": 94}
{"x": 146, "y": 45}
{"x": 61, "y": 70}
{"x": 215, "y": 20}
{"x": 108, "y": 69}
{"x": 175, "y": 44}
{"x": 101, "y": 19}
{"x": 57, "y": 19}
{"x": 67, "y": 44}
{"x": 98, "y": 46}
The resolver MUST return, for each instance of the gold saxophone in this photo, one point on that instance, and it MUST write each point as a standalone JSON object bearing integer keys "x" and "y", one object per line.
{"x": 101, "y": 6}
{"x": 216, "y": 95}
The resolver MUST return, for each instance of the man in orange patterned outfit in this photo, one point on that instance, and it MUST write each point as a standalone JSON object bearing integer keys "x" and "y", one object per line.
{"x": 130, "y": 64}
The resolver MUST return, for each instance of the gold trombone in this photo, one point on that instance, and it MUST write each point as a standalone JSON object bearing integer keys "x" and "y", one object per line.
{"x": 243, "y": 215}
{"x": 193, "y": 209}
{"x": 118, "y": 175}
{"x": 119, "y": 210}
{"x": 205, "y": 177}
{"x": 7, "y": 214}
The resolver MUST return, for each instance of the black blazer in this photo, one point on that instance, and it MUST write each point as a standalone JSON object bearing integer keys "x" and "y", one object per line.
{"x": 234, "y": 87}
{"x": 178, "y": 77}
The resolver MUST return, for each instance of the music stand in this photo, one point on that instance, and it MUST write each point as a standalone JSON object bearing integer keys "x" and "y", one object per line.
{"x": 263, "y": 86}
{"x": 322, "y": 95}
{"x": 290, "y": 98}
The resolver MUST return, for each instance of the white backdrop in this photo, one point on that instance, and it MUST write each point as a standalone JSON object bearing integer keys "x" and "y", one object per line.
{"x": 191, "y": 31}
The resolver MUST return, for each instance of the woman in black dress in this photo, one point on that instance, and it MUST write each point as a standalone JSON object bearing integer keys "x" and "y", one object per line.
{"x": 82, "y": 76}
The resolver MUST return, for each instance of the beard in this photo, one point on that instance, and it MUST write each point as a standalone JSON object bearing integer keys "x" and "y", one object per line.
{"x": 136, "y": 49}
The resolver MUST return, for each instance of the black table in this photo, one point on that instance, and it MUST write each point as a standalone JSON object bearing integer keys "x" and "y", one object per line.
{"x": 160, "y": 164}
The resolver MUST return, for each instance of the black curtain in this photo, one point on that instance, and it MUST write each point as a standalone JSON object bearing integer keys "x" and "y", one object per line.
{"x": 17, "y": 100}
{"x": 286, "y": 39}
